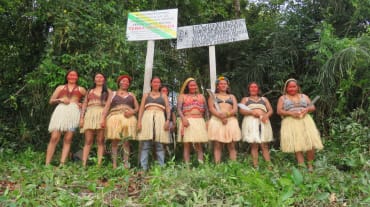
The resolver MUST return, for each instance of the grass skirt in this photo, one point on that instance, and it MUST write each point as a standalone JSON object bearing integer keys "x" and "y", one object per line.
{"x": 66, "y": 117}
{"x": 251, "y": 133}
{"x": 120, "y": 127}
{"x": 195, "y": 132}
{"x": 224, "y": 133}
{"x": 152, "y": 127}
{"x": 92, "y": 119}
{"x": 299, "y": 134}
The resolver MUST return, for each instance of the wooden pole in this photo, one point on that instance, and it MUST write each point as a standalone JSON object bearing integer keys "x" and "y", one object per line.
{"x": 212, "y": 66}
{"x": 148, "y": 66}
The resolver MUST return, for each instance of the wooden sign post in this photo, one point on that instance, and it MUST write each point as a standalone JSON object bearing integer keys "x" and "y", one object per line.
{"x": 211, "y": 35}
{"x": 151, "y": 25}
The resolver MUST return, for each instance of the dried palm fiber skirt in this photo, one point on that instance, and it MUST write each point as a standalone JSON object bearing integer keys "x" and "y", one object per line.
{"x": 299, "y": 134}
{"x": 152, "y": 127}
{"x": 255, "y": 131}
{"x": 195, "y": 132}
{"x": 93, "y": 117}
{"x": 120, "y": 127}
{"x": 66, "y": 117}
{"x": 224, "y": 133}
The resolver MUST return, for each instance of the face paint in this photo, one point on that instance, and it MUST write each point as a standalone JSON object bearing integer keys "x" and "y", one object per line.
{"x": 99, "y": 79}
{"x": 253, "y": 89}
{"x": 292, "y": 88}
{"x": 156, "y": 83}
{"x": 124, "y": 83}
{"x": 72, "y": 76}
{"x": 192, "y": 85}
{"x": 164, "y": 90}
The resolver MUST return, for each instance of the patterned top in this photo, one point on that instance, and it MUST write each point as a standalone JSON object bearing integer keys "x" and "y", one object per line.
{"x": 66, "y": 93}
{"x": 193, "y": 102}
{"x": 94, "y": 100}
{"x": 290, "y": 105}
{"x": 259, "y": 104}
{"x": 127, "y": 100}
{"x": 229, "y": 100}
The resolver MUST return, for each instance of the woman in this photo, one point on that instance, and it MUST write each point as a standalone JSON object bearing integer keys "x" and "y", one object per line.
{"x": 298, "y": 130}
{"x": 65, "y": 118}
{"x": 91, "y": 114}
{"x": 153, "y": 123}
{"x": 256, "y": 127}
{"x": 223, "y": 127}
{"x": 191, "y": 107}
{"x": 121, "y": 121}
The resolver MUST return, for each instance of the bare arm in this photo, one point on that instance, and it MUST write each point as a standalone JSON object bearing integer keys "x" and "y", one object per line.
{"x": 54, "y": 98}
{"x": 106, "y": 108}
{"x": 141, "y": 110}
{"x": 233, "y": 111}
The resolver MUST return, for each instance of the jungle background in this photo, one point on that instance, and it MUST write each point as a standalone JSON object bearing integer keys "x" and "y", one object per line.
{"x": 324, "y": 44}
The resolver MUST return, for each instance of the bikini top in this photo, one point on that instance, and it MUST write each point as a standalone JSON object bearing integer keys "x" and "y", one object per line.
{"x": 75, "y": 93}
{"x": 155, "y": 101}
{"x": 290, "y": 105}
{"x": 193, "y": 102}
{"x": 119, "y": 100}
{"x": 93, "y": 99}
{"x": 228, "y": 101}
{"x": 259, "y": 104}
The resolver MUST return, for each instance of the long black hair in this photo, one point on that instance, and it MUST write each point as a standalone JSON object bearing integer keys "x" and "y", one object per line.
{"x": 104, "y": 92}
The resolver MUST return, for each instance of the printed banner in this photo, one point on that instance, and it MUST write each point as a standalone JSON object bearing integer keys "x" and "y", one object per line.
{"x": 152, "y": 25}
{"x": 211, "y": 34}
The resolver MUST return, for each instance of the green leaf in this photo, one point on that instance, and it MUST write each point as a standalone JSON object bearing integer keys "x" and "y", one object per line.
{"x": 322, "y": 196}
{"x": 287, "y": 194}
{"x": 297, "y": 176}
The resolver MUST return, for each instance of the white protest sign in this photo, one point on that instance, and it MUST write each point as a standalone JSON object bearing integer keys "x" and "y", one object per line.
{"x": 211, "y": 34}
{"x": 152, "y": 25}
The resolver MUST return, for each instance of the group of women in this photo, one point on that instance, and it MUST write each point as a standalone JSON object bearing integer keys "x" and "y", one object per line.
{"x": 118, "y": 117}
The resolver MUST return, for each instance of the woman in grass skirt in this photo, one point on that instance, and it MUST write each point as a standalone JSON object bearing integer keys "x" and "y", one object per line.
{"x": 66, "y": 116}
{"x": 298, "y": 132}
{"x": 91, "y": 115}
{"x": 256, "y": 127}
{"x": 191, "y": 107}
{"x": 223, "y": 127}
{"x": 153, "y": 123}
{"x": 121, "y": 121}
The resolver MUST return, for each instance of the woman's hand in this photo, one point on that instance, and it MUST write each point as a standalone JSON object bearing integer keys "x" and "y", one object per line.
{"x": 139, "y": 125}
{"x": 102, "y": 123}
{"x": 81, "y": 122}
{"x": 167, "y": 125}
{"x": 185, "y": 122}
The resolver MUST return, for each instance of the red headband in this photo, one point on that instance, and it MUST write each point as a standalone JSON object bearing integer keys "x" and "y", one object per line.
{"x": 122, "y": 77}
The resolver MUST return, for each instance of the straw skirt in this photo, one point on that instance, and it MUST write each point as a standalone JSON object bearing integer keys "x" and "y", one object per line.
{"x": 120, "y": 127}
{"x": 224, "y": 133}
{"x": 195, "y": 132}
{"x": 152, "y": 127}
{"x": 92, "y": 119}
{"x": 299, "y": 134}
{"x": 255, "y": 131}
{"x": 66, "y": 117}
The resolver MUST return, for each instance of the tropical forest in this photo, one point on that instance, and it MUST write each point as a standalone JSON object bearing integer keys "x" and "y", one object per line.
{"x": 323, "y": 44}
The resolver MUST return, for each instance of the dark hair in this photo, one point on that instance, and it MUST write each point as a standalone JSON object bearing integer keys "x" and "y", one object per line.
{"x": 249, "y": 85}
{"x": 228, "y": 91}
{"x": 165, "y": 86}
{"x": 151, "y": 80}
{"x": 68, "y": 72}
{"x": 186, "y": 90}
{"x": 104, "y": 92}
